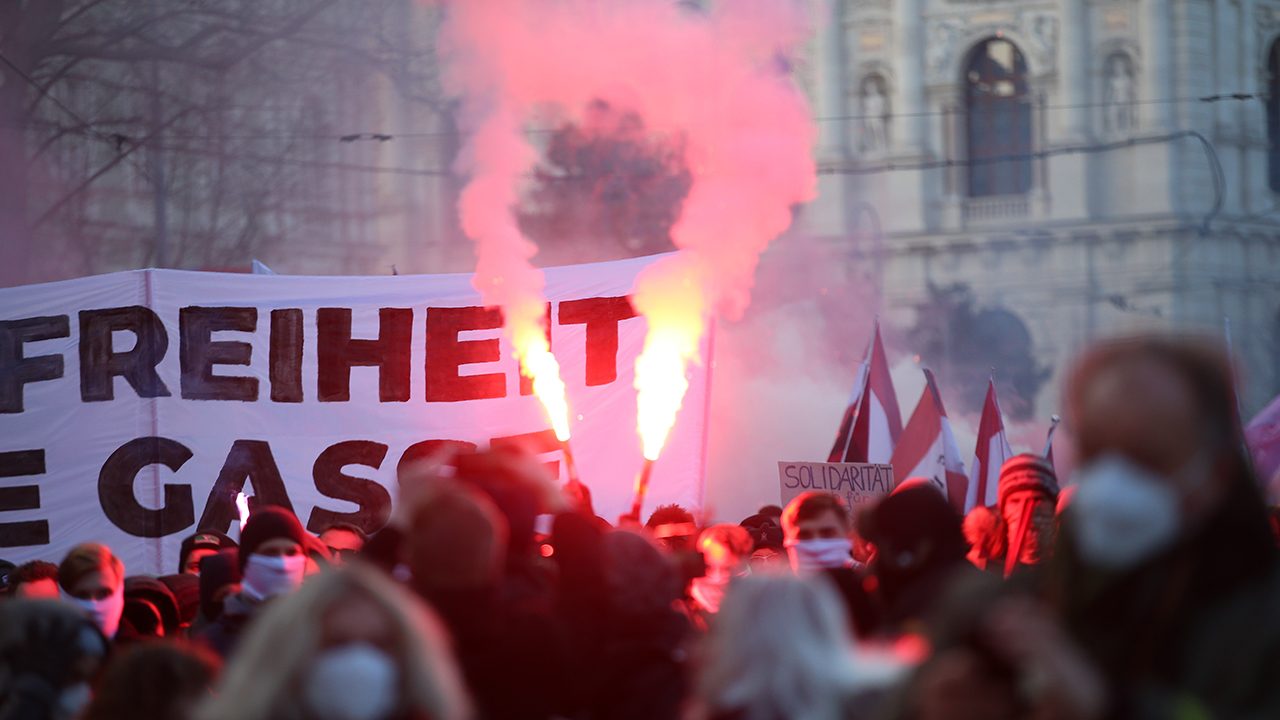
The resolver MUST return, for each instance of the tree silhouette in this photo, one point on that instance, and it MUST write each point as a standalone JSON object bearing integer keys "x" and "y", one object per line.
{"x": 606, "y": 188}
{"x": 964, "y": 346}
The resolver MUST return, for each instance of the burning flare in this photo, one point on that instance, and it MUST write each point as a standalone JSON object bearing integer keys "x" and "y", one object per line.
{"x": 242, "y": 506}
{"x": 670, "y": 297}
{"x": 539, "y": 365}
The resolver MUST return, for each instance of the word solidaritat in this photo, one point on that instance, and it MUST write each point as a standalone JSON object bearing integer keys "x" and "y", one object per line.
{"x": 309, "y": 393}
{"x": 857, "y": 483}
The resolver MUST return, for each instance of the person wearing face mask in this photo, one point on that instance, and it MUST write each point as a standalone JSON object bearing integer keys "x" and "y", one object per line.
{"x": 91, "y": 578}
{"x": 272, "y": 563}
{"x": 920, "y": 551}
{"x": 1165, "y": 573}
{"x": 817, "y": 534}
{"x": 726, "y": 550}
{"x": 1028, "y": 496}
{"x": 349, "y": 645}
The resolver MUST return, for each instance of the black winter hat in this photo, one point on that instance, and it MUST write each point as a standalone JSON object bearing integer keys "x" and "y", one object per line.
{"x": 211, "y": 539}
{"x": 269, "y": 523}
{"x": 151, "y": 590}
{"x": 186, "y": 590}
{"x": 217, "y": 572}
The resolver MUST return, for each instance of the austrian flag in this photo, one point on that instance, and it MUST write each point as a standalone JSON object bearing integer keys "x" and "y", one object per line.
{"x": 927, "y": 448}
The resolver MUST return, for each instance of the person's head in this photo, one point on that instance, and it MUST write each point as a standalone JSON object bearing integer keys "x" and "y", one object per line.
{"x": 150, "y": 608}
{"x": 726, "y": 549}
{"x": 816, "y": 532}
{"x": 1159, "y": 447}
{"x": 915, "y": 532}
{"x": 219, "y": 577}
{"x": 780, "y": 647}
{"x": 641, "y": 580}
{"x": 459, "y": 542}
{"x": 155, "y": 680}
{"x": 272, "y": 554}
{"x": 35, "y": 580}
{"x": 186, "y": 593}
{"x": 52, "y": 652}
{"x": 92, "y": 578}
{"x": 349, "y": 644}
{"x": 344, "y": 541}
{"x": 673, "y": 527}
{"x": 198, "y": 546}
{"x": 1028, "y": 495}
{"x": 979, "y": 529}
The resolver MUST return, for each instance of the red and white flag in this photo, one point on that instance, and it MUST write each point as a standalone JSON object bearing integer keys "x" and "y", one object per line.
{"x": 927, "y": 448}
{"x": 1263, "y": 436}
{"x": 873, "y": 421}
{"x": 989, "y": 454}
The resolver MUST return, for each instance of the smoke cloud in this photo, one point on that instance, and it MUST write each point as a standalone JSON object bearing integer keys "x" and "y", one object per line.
{"x": 719, "y": 81}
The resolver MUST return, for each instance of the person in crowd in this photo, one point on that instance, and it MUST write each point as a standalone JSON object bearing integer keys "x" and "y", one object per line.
{"x": 344, "y": 541}
{"x": 317, "y": 555}
{"x": 36, "y": 580}
{"x": 155, "y": 681}
{"x": 92, "y": 579}
{"x": 186, "y": 592}
{"x": 150, "y": 609}
{"x": 6, "y": 569}
{"x": 726, "y": 550}
{"x": 638, "y": 669}
{"x": 817, "y": 533}
{"x": 1028, "y": 495}
{"x": 980, "y": 532}
{"x": 272, "y": 563}
{"x": 219, "y": 578}
{"x": 920, "y": 548}
{"x": 509, "y": 650}
{"x": 50, "y": 654}
{"x": 198, "y": 546}
{"x": 1168, "y": 579}
{"x": 674, "y": 527}
{"x": 780, "y": 649}
{"x": 349, "y": 645}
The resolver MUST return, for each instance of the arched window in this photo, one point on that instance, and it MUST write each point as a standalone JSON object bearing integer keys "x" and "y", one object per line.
{"x": 1273, "y": 117}
{"x": 997, "y": 119}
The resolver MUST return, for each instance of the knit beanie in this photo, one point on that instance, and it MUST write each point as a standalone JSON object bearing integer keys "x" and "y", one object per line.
{"x": 1027, "y": 471}
{"x": 269, "y": 523}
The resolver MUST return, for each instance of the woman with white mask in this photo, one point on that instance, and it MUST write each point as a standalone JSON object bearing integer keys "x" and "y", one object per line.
{"x": 350, "y": 645}
{"x": 92, "y": 578}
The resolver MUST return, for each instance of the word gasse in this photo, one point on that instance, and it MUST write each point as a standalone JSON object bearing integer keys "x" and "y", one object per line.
{"x": 200, "y": 353}
{"x": 248, "y": 462}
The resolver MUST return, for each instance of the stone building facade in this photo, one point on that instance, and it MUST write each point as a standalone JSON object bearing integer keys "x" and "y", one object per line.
{"x": 1086, "y": 167}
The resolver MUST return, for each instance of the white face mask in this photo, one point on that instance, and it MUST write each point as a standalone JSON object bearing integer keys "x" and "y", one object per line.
{"x": 1122, "y": 514}
{"x": 352, "y": 682}
{"x": 819, "y": 554}
{"x": 268, "y": 576}
{"x": 104, "y": 613}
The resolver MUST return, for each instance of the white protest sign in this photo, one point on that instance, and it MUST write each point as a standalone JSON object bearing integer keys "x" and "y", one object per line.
{"x": 856, "y": 483}
{"x": 134, "y": 406}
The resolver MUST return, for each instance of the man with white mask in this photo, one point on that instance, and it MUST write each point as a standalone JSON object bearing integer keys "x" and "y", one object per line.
{"x": 818, "y": 535}
{"x": 92, "y": 578}
{"x": 272, "y": 563}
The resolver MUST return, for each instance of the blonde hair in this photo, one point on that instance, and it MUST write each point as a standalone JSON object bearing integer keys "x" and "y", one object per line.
{"x": 780, "y": 647}
{"x": 263, "y": 679}
{"x": 87, "y": 558}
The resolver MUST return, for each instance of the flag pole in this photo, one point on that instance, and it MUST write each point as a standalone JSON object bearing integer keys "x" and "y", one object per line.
{"x": 1048, "y": 437}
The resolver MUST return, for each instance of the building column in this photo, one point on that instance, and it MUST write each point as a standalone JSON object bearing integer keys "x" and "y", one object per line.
{"x": 908, "y": 106}
{"x": 1073, "y": 70}
{"x": 828, "y": 215}
{"x": 1158, "y": 67}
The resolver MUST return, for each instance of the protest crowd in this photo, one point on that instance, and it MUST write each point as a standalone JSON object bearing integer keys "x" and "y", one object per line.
{"x": 1150, "y": 590}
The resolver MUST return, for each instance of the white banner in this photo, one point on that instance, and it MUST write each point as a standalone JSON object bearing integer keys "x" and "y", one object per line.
{"x": 134, "y": 406}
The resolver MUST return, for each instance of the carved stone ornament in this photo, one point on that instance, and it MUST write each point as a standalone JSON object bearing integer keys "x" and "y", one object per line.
{"x": 1034, "y": 31}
